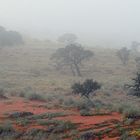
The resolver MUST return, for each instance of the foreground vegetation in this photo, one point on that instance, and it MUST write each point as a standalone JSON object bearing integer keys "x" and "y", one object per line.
{"x": 36, "y": 84}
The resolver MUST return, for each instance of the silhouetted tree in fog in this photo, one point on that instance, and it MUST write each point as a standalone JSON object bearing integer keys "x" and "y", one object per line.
{"x": 123, "y": 54}
{"x": 9, "y": 38}
{"x": 135, "y": 45}
{"x": 67, "y": 38}
{"x": 72, "y": 56}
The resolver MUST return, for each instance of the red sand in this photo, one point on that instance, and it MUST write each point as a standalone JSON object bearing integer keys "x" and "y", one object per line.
{"x": 91, "y": 120}
{"x": 19, "y": 104}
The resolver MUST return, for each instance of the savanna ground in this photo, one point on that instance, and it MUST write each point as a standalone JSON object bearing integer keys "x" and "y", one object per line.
{"x": 37, "y": 102}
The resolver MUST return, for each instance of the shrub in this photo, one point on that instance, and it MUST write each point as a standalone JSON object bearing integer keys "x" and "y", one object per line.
{"x": 86, "y": 88}
{"x": 122, "y": 107}
{"x": 26, "y": 91}
{"x": 47, "y": 115}
{"x": 64, "y": 126}
{"x": 22, "y": 94}
{"x": 6, "y": 129}
{"x": 1, "y": 92}
{"x": 69, "y": 102}
{"x": 85, "y": 112}
{"x": 87, "y": 135}
{"x": 125, "y": 136}
{"x": 23, "y": 122}
{"x": 35, "y": 134}
{"x": 136, "y": 133}
{"x": 35, "y": 96}
{"x": 128, "y": 110}
{"x": 20, "y": 114}
{"x": 132, "y": 112}
{"x": 134, "y": 89}
{"x": 84, "y": 104}
{"x": 49, "y": 122}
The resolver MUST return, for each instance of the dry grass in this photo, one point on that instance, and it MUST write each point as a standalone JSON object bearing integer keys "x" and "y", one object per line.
{"x": 22, "y": 67}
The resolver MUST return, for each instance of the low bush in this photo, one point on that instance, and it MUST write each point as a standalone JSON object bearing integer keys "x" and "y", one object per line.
{"x": 133, "y": 113}
{"x": 87, "y": 135}
{"x": 20, "y": 114}
{"x": 35, "y": 134}
{"x": 122, "y": 107}
{"x": 49, "y": 122}
{"x": 47, "y": 115}
{"x": 23, "y": 122}
{"x": 69, "y": 102}
{"x": 2, "y": 94}
{"x": 86, "y": 88}
{"x": 85, "y": 112}
{"x": 26, "y": 91}
{"x": 62, "y": 127}
{"x": 6, "y": 129}
{"x": 84, "y": 103}
{"x": 126, "y": 136}
{"x": 135, "y": 133}
{"x": 35, "y": 96}
{"x": 134, "y": 89}
{"x": 128, "y": 110}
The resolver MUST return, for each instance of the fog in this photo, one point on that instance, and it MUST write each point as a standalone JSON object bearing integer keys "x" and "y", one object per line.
{"x": 98, "y": 22}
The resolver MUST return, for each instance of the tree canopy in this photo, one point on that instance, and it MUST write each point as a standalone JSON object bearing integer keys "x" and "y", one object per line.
{"x": 9, "y": 38}
{"x": 123, "y": 54}
{"x": 86, "y": 88}
{"x": 72, "y": 55}
{"x": 68, "y": 38}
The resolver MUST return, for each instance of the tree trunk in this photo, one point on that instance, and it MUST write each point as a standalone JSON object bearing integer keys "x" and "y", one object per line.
{"x": 73, "y": 72}
{"x": 77, "y": 69}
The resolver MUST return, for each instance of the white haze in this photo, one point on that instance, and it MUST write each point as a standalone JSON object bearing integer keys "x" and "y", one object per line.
{"x": 100, "y": 22}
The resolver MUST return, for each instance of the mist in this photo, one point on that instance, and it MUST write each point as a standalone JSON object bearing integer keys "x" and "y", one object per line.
{"x": 95, "y": 22}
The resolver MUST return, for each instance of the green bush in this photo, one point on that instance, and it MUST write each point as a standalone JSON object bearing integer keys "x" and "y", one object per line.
{"x": 132, "y": 112}
{"x": 86, "y": 88}
{"x": 35, "y": 96}
{"x": 47, "y": 115}
{"x": 2, "y": 92}
{"x": 85, "y": 112}
{"x": 127, "y": 109}
{"x": 134, "y": 89}
{"x": 62, "y": 127}
{"x": 84, "y": 103}
{"x": 69, "y": 102}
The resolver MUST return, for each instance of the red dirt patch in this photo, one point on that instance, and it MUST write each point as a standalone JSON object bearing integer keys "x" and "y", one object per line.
{"x": 94, "y": 123}
{"x": 91, "y": 120}
{"x": 19, "y": 104}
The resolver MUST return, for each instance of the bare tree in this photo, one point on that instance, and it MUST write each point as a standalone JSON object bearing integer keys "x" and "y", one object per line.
{"x": 68, "y": 38}
{"x": 123, "y": 54}
{"x": 135, "y": 45}
{"x": 72, "y": 56}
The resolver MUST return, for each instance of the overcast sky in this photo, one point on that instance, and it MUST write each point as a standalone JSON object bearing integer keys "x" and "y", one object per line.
{"x": 93, "y": 21}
